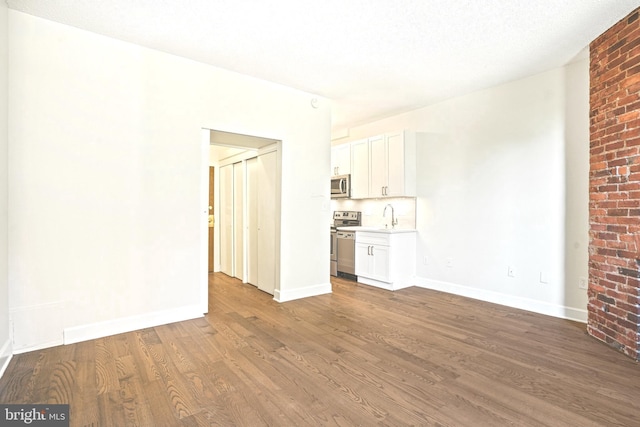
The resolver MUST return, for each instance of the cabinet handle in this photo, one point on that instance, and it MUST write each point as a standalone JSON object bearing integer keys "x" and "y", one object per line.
{"x": 371, "y": 250}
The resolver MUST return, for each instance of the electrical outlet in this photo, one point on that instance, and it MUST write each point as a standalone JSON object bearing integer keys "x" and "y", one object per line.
{"x": 543, "y": 277}
{"x": 583, "y": 283}
{"x": 511, "y": 271}
{"x": 449, "y": 262}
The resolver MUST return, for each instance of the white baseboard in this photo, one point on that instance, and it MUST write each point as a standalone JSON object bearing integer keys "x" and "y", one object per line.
{"x": 5, "y": 356}
{"x": 540, "y": 307}
{"x": 309, "y": 291}
{"x": 127, "y": 324}
{"x": 37, "y": 326}
{"x": 385, "y": 285}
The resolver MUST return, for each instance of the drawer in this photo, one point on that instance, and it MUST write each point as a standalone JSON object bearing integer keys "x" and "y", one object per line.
{"x": 370, "y": 238}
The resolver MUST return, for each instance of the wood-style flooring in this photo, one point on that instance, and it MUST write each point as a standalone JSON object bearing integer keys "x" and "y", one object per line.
{"x": 360, "y": 356}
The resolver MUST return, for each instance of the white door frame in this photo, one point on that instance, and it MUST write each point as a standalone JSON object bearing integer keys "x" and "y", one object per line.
{"x": 276, "y": 146}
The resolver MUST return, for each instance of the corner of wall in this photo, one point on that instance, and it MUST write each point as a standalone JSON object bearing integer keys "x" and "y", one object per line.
{"x": 6, "y": 353}
{"x": 5, "y": 330}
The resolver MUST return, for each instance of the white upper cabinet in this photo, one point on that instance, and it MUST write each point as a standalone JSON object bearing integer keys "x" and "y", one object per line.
{"x": 384, "y": 166}
{"x": 360, "y": 169}
{"x": 401, "y": 164}
{"x": 379, "y": 166}
{"x": 341, "y": 159}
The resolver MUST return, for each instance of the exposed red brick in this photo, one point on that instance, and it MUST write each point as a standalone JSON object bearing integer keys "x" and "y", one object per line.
{"x": 614, "y": 186}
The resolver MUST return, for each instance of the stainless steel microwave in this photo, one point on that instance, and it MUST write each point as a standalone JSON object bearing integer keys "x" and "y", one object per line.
{"x": 340, "y": 186}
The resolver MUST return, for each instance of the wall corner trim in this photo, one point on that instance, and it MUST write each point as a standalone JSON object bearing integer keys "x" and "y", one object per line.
{"x": 309, "y": 291}
{"x": 127, "y": 324}
{"x": 5, "y": 356}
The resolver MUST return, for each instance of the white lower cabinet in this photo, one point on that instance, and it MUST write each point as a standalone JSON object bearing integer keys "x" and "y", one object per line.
{"x": 386, "y": 259}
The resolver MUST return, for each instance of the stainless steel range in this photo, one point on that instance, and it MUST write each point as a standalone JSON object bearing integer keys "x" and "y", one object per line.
{"x": 343, "y": 243}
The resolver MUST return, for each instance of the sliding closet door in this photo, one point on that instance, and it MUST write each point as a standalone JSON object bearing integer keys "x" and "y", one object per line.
{"x": 267, "y": 164}
{"x": 252, "y": 221}
{"x": 238, "y": 220}
{"x": 226, "y": 219}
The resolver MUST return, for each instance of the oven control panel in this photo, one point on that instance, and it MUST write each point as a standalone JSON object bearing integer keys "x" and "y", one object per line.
{"x": 346, "y": 215}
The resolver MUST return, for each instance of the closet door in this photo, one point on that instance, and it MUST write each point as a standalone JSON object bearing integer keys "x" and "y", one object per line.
{"x": 267, "y": 164}
{"x": 238, "y": 220}
{"x": 252, "y": 221}
{"x": 226, "y": 220}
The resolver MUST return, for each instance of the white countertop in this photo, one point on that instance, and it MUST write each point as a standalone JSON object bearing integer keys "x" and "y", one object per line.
{"x": 378, "y": 229}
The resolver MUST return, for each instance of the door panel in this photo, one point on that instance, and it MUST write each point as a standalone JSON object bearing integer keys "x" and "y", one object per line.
{"x": 238, "y": 220}
{"x": 378, "y": 156}
{"x": 211, "y": 219}
{"x": 226, "y": 220}
{"x": 267, "y": 164}
{"x": 252, "y": 221}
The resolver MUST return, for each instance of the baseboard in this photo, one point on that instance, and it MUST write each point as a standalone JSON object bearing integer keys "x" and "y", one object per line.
{"x": 521, "y": 303}
{"x": 127, "y": 324}
{"x": 5, "y": 356}
{"x": 385, "y": 285}
{"x": 309, "y": 291}
{"x": 37, "y": 326}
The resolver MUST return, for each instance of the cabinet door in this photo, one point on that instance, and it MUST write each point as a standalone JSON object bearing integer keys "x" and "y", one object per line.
{"x": 380, "y": 263}
{"x": 395, "y": 164}
{"x": 360, "y": 169}
{"x": 379, "y": 168}
{"x": 363, "y": 260}
{"x": 341, "y": 159}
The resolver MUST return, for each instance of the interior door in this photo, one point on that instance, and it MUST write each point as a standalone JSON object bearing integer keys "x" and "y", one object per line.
{"x": 267, "y": 164}
{"x": 252, "y": 221}
{"x": 211, "y": 217}
{"x": 226, "y": 220}
{"x": 238, "y": 220}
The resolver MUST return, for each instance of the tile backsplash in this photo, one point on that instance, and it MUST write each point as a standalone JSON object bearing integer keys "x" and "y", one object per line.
{"x": 372, "y": 209}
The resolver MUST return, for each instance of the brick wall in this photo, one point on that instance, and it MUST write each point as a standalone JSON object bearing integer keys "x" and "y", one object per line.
{"x": 614, "y": 190}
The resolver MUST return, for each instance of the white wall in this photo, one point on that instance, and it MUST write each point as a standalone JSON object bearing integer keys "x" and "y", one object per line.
{"x": 577, "y": 181}
{"x": 104, "y": 173}
{"x": 491, "y": 191}
{"x": 5, "y": 335}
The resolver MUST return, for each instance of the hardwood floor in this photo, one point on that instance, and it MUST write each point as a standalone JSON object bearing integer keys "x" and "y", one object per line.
{"x": 358, "y": 357}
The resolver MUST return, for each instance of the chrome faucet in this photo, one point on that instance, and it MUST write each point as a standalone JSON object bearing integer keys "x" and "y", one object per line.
{"x": 394, "y": 220}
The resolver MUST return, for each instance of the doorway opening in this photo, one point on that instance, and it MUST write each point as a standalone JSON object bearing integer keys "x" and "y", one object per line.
{"x": 245, "y": 208}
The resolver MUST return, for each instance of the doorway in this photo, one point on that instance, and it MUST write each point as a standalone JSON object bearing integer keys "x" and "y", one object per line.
{"x": 246, "y": 207}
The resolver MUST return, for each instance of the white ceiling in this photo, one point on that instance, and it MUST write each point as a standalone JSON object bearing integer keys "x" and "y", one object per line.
{"x": 371, "y": 58}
